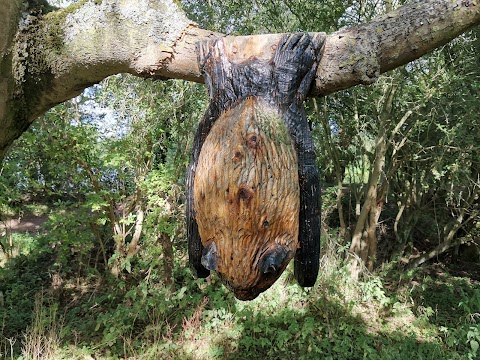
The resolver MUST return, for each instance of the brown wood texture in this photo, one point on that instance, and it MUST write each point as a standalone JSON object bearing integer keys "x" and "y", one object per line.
{"x": 246, "y": 192}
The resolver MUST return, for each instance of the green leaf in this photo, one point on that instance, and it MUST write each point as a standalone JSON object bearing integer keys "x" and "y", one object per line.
{"x": 474, "y": 345}
{"x": 128, "y": 266}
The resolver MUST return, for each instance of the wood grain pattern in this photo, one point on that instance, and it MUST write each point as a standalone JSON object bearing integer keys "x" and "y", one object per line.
{"x": 246, "y": 192}
{"x": 253, "y": 193}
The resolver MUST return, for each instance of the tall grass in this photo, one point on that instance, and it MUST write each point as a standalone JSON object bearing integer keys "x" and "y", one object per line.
{"x": 42, "y": 338}
{"x": 381, "y": 316}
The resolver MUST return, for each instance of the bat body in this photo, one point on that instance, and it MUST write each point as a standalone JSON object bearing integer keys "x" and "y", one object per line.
{"x": 253, "y": 193}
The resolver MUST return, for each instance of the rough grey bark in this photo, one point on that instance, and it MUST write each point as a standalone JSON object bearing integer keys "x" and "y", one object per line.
{"x": 47, "y": 59}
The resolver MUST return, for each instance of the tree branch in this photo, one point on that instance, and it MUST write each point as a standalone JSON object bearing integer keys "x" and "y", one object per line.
{"x": 455, "y": 225}
{"x": 53, "y": 57}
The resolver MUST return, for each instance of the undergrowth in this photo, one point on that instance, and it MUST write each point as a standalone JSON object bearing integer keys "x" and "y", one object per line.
{"x": 427, "y": 314}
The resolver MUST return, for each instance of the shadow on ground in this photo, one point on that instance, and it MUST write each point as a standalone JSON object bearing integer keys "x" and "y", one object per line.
{"x": 112, "y": 320}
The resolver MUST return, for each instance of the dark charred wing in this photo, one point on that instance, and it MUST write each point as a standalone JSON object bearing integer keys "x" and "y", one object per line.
{"x": 307, "y": 256}
{"x": 195, "y": 247}
{"x": 195, "y": 250}
{"x": 294, "y": 66}
{"x": 295, "y": 63}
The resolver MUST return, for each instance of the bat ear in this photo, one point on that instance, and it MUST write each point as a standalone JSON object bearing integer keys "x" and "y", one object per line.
{"x": 274, "y": 260}
{"x": 307, "y": 261}
{"x": 210, "y": 257}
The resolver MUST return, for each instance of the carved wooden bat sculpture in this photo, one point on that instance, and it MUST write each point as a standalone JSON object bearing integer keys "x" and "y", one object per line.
{"x": 253, "y": 193}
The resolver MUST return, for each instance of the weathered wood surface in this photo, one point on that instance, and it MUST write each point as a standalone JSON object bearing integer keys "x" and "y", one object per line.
{"x": 246, "y": 191}
{"x": 253, "y": 197}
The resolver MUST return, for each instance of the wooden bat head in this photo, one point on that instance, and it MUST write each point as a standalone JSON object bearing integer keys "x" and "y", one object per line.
{"x": 246, "y": 196}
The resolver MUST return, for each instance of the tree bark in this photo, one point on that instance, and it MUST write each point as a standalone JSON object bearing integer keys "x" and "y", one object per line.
{"x": 364, "y": 237}
{"x": 333, "y": 153}
{"x": 47, "y": 59}
{"x": 168, "y": 258}
{"x": 133, "y": 247}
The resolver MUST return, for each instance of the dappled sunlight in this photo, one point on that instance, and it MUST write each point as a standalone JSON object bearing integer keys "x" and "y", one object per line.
{"x": 202, "y": 320}
{"x": 93, "y": 238}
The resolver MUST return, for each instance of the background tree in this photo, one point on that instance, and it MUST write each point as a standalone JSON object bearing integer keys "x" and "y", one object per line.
{"x": 51, "y": 56}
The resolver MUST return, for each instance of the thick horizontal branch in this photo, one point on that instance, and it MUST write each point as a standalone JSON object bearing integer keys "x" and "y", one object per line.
{"x": 100, "y": 40}
{"x": 359, "y": 55}
{"x": 53, "y": 57}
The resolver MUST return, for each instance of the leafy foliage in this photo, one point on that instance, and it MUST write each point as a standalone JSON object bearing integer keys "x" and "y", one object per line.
{"x": 106, "y": 275}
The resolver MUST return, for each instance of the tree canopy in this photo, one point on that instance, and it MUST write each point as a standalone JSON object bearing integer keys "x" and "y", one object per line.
{"x": 50, "y": 55}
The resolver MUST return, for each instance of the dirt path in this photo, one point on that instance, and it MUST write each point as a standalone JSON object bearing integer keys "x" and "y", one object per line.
{"x": 28, "y": 223}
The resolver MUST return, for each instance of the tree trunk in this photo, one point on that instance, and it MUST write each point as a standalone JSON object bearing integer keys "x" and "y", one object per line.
{"x": 364, "y": 241}
{"x": 8, "y": 246}
{"x": 167, "y": 247}
{"x": 364, "y": 237}
{"x": 49, "y": 58}
{"x": 339, "y": 170}
{"x": 96, "y": 232}
{"x": 137, "y": 233}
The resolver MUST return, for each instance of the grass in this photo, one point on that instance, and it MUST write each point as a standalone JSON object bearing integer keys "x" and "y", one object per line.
{"x": 428, "y": 314}
{"x": 42, "y": 338}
